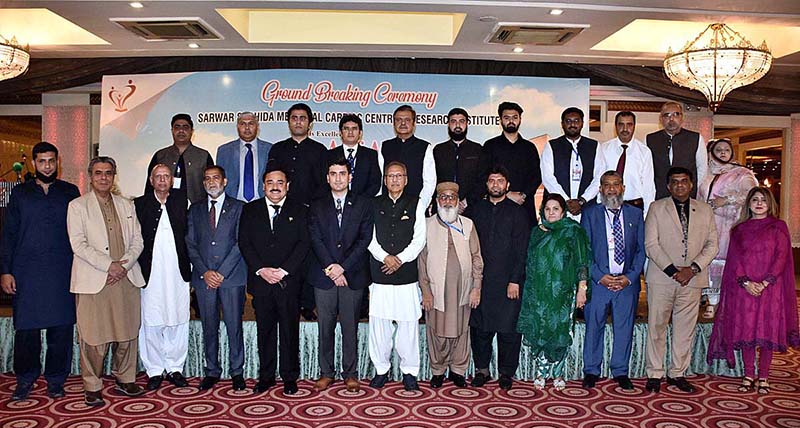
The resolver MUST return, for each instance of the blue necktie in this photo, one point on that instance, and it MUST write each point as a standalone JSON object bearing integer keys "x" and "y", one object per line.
{"x": 248, "y": 191}
{"x": 619, "y": 242}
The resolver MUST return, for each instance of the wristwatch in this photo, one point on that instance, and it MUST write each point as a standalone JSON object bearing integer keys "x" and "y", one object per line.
{"x": 695, "y": 268}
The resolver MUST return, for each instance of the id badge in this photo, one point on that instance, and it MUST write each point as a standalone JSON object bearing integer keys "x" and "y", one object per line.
{"x": 577, "y": 171}
{"x": 176, "y": 182}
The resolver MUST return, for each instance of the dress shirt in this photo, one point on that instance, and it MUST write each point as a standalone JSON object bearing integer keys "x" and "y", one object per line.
{"x": 638, "y": 177}
{"x": 613, "y": 267}
{"x": 700, "y": 159}
{"x": 549, "y": 177}
{"x": 256, "y": 179}
{"x": 417, "y": 241}
{"x": 428, "y": 176}
{"x": 271, "y": 210}
{"x": 218, "y": 206}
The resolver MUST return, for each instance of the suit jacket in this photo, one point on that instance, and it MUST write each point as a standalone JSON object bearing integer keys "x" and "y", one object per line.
{"x": 228, "y": 156}
{"x": 285, "y": 246}
{"x": 217, "y": 251}
{"x": 346, "y": 246}
{"x": 664, "y": 240}
{"x": 89, "y": 240}
{"x": 148, "y": 210}
{"x": 593, "y": 220}
{"x": 367, "y": 178}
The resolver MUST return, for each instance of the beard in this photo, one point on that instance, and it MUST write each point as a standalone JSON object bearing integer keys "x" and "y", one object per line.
{"x": 496, "y": 193}
{"x": 447, "y": 214}
{"x": 457, "y": 136}
{"x": 215, "y": 193}
{"x": 612, "y": 202}
{"x": 510, "y": 128}
{"x": 47, "y": 179}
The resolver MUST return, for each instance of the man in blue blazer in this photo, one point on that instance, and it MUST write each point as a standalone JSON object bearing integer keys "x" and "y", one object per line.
{"x": 616, "y": 232}
{"x": 219, "y": 275}
{"x": 340, "y": 225}
{"x": 245, "y": 160}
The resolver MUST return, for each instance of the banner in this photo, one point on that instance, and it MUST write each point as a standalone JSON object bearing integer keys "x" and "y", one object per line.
{"x": 136, "y": 109}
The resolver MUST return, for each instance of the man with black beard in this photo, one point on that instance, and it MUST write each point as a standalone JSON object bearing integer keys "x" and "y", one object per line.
{"x": 518, "y": 156}
{"x": 460, "y": 160}
{"x": 35, "y": 263}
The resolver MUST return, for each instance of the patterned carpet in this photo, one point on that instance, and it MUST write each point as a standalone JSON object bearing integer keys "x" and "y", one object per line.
{"x": 715, "y": 404}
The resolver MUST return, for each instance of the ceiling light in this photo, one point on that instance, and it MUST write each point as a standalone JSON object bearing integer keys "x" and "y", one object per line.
{"x": 14, "y": 58}
{"x": 718, "y": 61}
{"x": 556, "y": 12}
{"x": 194, "y": 45}
{"x": 518, "y": 49}
{"x": 136, "y": 5}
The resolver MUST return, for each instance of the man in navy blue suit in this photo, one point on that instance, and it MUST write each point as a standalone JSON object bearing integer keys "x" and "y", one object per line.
{"x": 340, "y": 225}
{"x": 363, "y": 160}
{"x": 616, "y": 232}
{"x": 219, "y": 275}
{"x": 244, "y": 160}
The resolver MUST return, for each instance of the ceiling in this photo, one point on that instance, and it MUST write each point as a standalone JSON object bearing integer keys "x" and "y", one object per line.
{"x": 603, "y": 18}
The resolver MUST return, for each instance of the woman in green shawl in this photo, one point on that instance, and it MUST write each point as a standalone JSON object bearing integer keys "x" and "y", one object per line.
{"x": 555, "y": 284}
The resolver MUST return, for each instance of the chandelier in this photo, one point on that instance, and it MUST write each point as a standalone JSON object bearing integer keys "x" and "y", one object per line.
{"x": 14, "y": 58}
{"x": 718, "y": 61}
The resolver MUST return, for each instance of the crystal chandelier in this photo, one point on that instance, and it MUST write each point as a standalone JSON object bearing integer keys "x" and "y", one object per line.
{"x": 718, "y": 61}
{"x": 14, "y": 58}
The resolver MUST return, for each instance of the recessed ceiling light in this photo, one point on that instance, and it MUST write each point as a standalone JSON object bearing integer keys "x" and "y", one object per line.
{"x": 194, "y": 45}
{"x": 518, "y": 49}
{"x": 136, "y": 5}
{"x": 487, "y": 18}
{"x": 556, "y": 11}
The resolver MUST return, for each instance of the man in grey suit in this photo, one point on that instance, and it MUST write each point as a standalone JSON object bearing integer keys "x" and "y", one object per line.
{"x": 219, "y": 274}
{"x": 245, "y": 160}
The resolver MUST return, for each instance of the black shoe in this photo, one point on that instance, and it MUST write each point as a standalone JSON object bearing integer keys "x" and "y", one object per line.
{"x": 505, "y": 382}
{"x": 55, "y": 391}
{"x": 208, "y": 382}
{"x": 93, "y": 398}
{"x": 458, "y": 380}
{"x": 624, "y": 382}
{"x": 22, "y": 391}
{"x": 379, "y": 380}
{"x": 589, "y": 380}
{"x": 480, "y": 379}
{"x": 410, "y": 382}
{"x": 681, "y": 383}
{"x": 308, "y": 314}
{"x": 289, "y": 387}
{"x": 653, "y": 384}
{"x": 154, "y": 383}
{"x": 437, "y": 381}
{"x": 177, "y": 379}
{"x": 238, "y": 383}
{"x": 263, "y": 385}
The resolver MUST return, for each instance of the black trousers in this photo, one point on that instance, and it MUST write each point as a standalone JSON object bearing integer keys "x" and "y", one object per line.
{"x": 28, "y": 349}
{"x": 277, "y": 312}
{"x": 508, "y": 346}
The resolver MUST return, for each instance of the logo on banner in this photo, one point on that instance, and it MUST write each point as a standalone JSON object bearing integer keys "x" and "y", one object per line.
{"x": 120, "y": 96}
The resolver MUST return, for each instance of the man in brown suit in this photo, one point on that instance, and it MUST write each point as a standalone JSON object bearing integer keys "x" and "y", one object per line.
{"x": 681, "y": 241}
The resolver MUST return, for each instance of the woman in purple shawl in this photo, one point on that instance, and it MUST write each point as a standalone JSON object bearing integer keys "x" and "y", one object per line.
{"x": 758, "y": 304}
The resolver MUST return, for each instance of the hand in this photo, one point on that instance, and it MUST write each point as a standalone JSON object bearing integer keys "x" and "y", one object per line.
{"x": 684, "y": 275}
{"x": 340, "y": 281}
{"x": 391, "y": 264}
{"x": 608, "y": 281}
{"x": 754, "y": 288}
{"x": 719, "y": 202}
{"x": 474, "y": 298}
{"x": 213, "y": 279}
{"x": 580, "y": 299}
{"x": 512, "y": 291}
{"x": 8, "y": 283}
{"x": 334, "y": 270}
{"x": 117, "y": 269}
{"x": 574, "y": 206}
{"x": 462, "y": 205}
{"x": 427, "y": 301}
{"x": 270, "y": 275}
{"x": 516, "y": 197}
{"x": 110, "y": 280}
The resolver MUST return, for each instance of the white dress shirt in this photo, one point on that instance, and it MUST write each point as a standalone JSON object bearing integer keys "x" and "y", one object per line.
{"x": 638, "y": 177}
{"x": 272, "y": 210}
{"x": 549, "y": 179}
{"x": 256, "y": 179}
{"x": 613, "y": 267}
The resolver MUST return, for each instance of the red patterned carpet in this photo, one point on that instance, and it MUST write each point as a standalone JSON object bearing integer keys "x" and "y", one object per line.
{"x": 715, "y": 404}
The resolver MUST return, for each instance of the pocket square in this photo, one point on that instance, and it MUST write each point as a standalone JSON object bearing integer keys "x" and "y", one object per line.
{"x": 291, "y": 218}
{"x": 405, "y": 217}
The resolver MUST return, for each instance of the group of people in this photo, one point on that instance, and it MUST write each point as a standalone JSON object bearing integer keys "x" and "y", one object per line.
{"x": 451, "y": 230}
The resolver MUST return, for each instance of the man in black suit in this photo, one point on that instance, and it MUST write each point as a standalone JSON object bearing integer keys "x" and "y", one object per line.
{"x": 363, "y": 160}
{"x": 340, "y": 225}
{"x": 460, "y": 160}
{"x": 273, "y": 238}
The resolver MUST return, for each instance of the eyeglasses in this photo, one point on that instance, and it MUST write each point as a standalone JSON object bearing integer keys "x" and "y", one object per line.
{"x": 395, "y": 176}
{"x": 447, "y": 197}
{"x": 675, "y": 114}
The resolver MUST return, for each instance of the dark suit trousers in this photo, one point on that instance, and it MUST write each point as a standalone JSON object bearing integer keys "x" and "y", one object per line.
{"x": 622, "y": 305}
{"x": 508, "y": 346}
{"x": 346, "y": 303}
{"x": 231, "y": 301}
{"x": 28, "y": 349}
{"x": 278, "y": 312}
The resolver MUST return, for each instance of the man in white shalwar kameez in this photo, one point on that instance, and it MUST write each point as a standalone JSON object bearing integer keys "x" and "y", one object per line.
{"x": 164, "y": 333}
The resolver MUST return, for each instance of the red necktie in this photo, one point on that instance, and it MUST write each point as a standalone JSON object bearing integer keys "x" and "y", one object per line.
{"x": 212, "y": 216}
{"x": 621, "y": 161}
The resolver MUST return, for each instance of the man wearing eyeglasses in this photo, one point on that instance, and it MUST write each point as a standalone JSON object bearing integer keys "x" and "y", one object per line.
{"x": 362, "y": 159}
{"x": 675, "y": 146}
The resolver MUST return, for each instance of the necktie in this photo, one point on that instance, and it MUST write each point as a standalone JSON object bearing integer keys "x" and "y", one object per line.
{"x": 212, "y": 216}
{"x": 247, "y": 191}
{"x": 669, "y": 148}
{"x": 685, "y": 226}
{"x": 277, "y": 209}
{"x": 339, "y": 211}
{"x": 351, "y": 159}
{"x": 621, "y": 162}
{"x": 619, "y": 241}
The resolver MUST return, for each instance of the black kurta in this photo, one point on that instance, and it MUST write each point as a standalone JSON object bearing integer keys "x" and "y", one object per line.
{"x": 462, "y": 164}
{"x": 521, "y": 159}
{"x": 503, "y": 231}
{"x": 306, "y": 164}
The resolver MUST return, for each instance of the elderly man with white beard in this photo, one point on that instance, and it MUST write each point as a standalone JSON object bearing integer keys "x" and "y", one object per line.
{"x": 451, "y": 289}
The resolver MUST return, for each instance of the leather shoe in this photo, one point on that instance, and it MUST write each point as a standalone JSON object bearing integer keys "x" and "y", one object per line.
{"x": 154, "y": 382}
{"x": 410, "y": 382}
{"x": 93, "y": 398}
{"x": 437, "y": 381}
{"x": 55, "y": 391}
{"x": 208, "y": 382}
{"x": 624, "y": 382}
{"x": 238, "y": 383}
{"x": 653, "y": 384}
{"x": 379, "y": 380}
{"x": 263, "y": 385}
{"x": 289, "y": 387}
{"x": 352, "y": 384}
{"x": 457, "y": 379}
{"x": 323, "y": 383}
{"x": 130, "y": 389}
{"x": 681, "y": 383}
{"x": 589, "y": 380}
{"x": 22, "y": 391}
{"x": 177, "y": 379}
{"x": 480, "y": 379}
{"x": 505, "y": 382}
